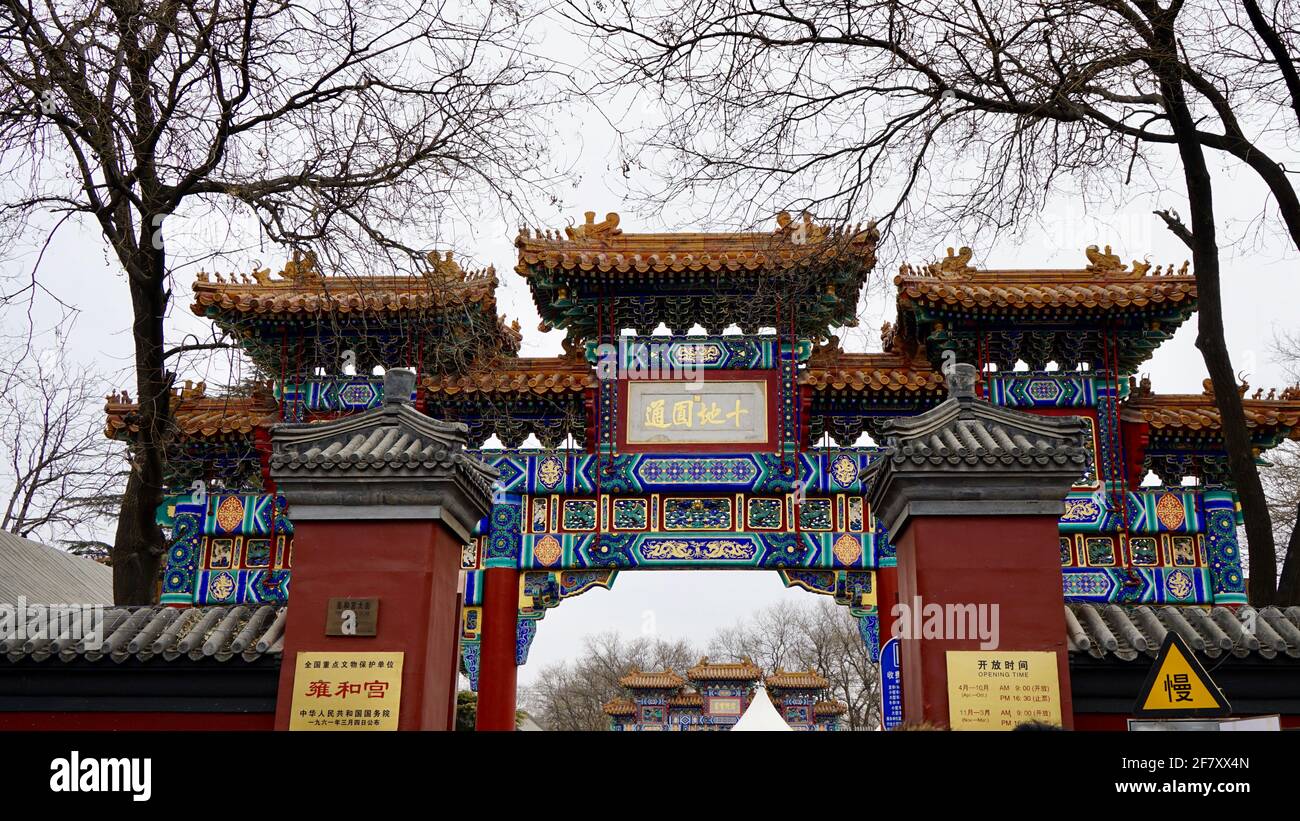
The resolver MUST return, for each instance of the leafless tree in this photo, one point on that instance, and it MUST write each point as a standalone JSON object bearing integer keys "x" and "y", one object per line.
{"x": 1282, "y": 477}
{"x": 972, "y": 115}
{"x": 340, "y": 127}
{"x": 572, "y": 695}
{"x": 819, "y": 636}
{"x": 60, "y": 477}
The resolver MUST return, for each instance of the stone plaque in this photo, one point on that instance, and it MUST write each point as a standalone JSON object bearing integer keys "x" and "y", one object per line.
{"x": 352, "y": 617}
{"x": 697, "y": 412}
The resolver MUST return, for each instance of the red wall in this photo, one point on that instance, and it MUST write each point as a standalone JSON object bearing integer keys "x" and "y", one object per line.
{"x": 412, "y": 566}
{"x": 1009, "y": 560}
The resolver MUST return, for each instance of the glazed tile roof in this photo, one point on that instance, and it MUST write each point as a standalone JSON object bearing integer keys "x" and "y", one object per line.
{"x": 1197, "y": 412}
{"x": 889, "y": 372}
{"x": 162, "y": 634}
{"x": 830, "y": 708}
{"x": 1128, "y": 632}
{"x": 539, "y": 375}
{"x": 689, "y": 699}
{"x": 602, "y": 248}
{"x": 620, "y": 707}
{"x": 301, "y": 288}
{"x": 639, "y": 680}
{"x": 796, "y": 680}
{"x": 743, "y": 670}
{"x": 196, "y": 414}
{"x": 1105, "y": 283}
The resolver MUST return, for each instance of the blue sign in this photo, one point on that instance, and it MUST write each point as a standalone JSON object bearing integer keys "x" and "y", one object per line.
{"x": 891, "y": 685}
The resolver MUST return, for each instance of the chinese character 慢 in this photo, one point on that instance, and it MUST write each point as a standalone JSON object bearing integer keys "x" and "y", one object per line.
{"x": 1178, "y": 688}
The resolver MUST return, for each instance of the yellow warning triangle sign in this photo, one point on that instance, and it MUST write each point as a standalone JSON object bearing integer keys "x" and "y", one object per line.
{"x": 1178, "y": 686}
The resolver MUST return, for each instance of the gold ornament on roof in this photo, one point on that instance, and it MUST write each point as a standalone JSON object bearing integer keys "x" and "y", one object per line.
{"x": 887, "y": 336}
{"x": 301, "y": 270}
{"x": 442, "y": 266}
{"x": 191, "y": 391}
{"x": 592, "y": 230}
{"x": 1103, "y": 262}
{"x": 955, "y": 263}
{"x": 802, "y": 233}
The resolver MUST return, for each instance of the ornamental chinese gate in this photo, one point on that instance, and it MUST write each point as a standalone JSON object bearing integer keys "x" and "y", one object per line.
{"x": 704, "y": 450}
{"x": 699, "y": 471}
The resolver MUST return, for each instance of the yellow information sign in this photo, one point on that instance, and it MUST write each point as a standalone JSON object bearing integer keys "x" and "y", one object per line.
{"x": 995, "y": 690}
{"x": 346, "y": 691}
{"x": 1178, "y": 686}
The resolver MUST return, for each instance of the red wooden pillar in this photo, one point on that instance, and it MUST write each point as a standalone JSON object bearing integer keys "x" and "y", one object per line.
{"x": 382, "y": 503}
{"x": 497, "y": 672}
{"x": 971, "y": 495}
{"x": 886, "y": 600}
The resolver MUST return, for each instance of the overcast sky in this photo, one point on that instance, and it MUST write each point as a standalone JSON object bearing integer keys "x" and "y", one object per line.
{"x": 1259, "y": 300}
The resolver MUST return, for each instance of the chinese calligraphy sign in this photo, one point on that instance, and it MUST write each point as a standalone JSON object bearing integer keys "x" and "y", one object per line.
{"x": 346, "y": 691}
{"x": 687, "y": 412}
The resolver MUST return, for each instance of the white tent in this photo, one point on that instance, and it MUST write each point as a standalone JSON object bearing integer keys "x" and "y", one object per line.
{"x": 761, "y": 716}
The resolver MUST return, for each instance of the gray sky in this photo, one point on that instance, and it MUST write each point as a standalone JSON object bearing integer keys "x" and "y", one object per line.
{"x": 1259, "y": 299}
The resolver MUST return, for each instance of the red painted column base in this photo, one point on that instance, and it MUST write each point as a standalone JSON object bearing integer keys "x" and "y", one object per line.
{"x": 497, "y": 673}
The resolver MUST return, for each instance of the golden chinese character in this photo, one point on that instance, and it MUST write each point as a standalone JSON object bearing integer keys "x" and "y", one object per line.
{"x": 736, "y": 414}
{"x": 711, "y": 415}
{"x": 654, "y": 415}
{"x": 682, "y": 414}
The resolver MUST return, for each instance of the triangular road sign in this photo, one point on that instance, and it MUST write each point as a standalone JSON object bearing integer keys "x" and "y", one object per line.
{"x": 1179, "y": 687}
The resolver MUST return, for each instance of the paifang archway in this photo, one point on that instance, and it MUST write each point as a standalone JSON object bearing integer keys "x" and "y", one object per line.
{"x": 705, "y": 449}
{"x": 570, "y": 541}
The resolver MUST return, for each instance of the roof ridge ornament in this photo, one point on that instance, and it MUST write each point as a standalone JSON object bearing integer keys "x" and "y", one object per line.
{"x": 592, "y": 230}
{"x": 805, "y": 233}
{"x": 961, "y": 380}
{"x": 398, "y": 385}
{"x": 301, "y": 269}
{"x": 443, "y": 266}
{"x": 955, "y": 264}
{"x": 1107, "y": 262}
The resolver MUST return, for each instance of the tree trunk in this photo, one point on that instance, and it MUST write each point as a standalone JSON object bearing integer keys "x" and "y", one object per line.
{"x": 1210, "y": 338}
{"x": 1288, "y": 589}
{"x": 138, "y": 544}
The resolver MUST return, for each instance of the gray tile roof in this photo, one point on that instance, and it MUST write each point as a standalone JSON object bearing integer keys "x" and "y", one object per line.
{"x": 1128, "y": 632}
{"x": 163, "y": 633}
{"x": 393, "y": 441}
{"x": 40, "y": 573}
{"x": 964, "y": 430}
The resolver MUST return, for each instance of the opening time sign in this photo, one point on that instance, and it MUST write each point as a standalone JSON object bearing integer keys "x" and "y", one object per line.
{"x": 995, "y": 690}
{"x": 346, "y": 691}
